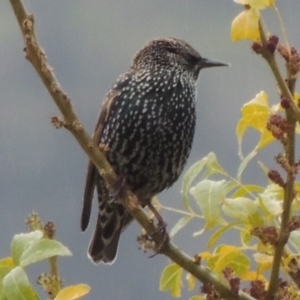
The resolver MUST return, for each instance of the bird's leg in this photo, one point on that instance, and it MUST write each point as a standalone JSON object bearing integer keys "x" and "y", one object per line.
{"x": 118, "y": 187}
{"x": 161, "y": 227}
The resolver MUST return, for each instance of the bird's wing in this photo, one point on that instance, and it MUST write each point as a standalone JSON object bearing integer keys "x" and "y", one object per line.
{"x": 91, "y": 175}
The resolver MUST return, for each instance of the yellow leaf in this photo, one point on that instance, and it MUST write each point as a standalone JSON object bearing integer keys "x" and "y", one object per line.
{"x": 191, "y": 281}
{"x": 266, "y": 138}
{"x": 255, "y": 114}
{"x": 251, "y": 276}
{"x": 73, "y": 292}
{"x": 245, "y": 26}
{"x": 264, "y": 262}
{"x": 6, "y": 265}
{"x": 259, "y": 102}
{"x": 205, "y": 255}
{"x": 171, "y": 280}
{"x": 229, "y": 256}
{"x": 258, "y": 4}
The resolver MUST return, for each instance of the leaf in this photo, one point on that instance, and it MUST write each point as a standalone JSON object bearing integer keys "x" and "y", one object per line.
{"x": 229, "y": 256}
{"x": 210, "y": 163}
{"x": 171, "y": 280}
{"x": 246, "y": 236}
{"x": 42, "y": 249}
{"x": 191, "y": 281}
{"x": 205, "y": 255}
{"x": 73, "y": 292}
{"x": 188, "y": 178}
{"x": 247, "y": 190}
{"x": 294, "y": 239}
{"x": 270, "y": 205}
{"x": 213, "y": 166}
{"x": 264, "y": 168}
{"x": 6, "y": 265}
{"x": 270, "y": 200}
{"x": 245, "y": 26}
{"x": 244, "y": 164}
{"x": 179, "y": 225}
{"x": 213, "y": 239}
{"x": 209, "y": 195}
{"x": 251, "y": 276}
{"x": 22, "y": 241}
{"x": 229, "y": 186}
{"x": 255, "y": 114}
{"x": 17, "y": 286}
{"x": 266, "y": 138}
{"x": 264, "y": 262}
{"x": 239, "y": 208}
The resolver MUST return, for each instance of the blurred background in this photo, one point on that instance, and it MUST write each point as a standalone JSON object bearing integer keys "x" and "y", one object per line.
{"x": 89, "y": 44}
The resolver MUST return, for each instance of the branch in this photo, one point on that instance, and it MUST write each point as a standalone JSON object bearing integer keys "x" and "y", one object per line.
{"x": 37, "y": 57}
{"x": 269, "y": 57}
{"x": 292, "y": 114}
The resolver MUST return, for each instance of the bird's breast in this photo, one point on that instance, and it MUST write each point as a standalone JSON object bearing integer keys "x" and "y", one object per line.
{"x": 149, "y": 132}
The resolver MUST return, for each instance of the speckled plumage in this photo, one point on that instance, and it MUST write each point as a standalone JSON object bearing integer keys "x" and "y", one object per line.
{"x": 147, "y": 122}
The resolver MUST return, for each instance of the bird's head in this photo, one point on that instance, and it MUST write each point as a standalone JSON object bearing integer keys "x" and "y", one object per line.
{"x": 172, "y": 54}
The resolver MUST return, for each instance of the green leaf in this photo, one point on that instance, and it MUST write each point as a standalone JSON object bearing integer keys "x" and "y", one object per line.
{"x": 239, "y": 208}
{"x": 213, "y": 166}
{"x": 264, "y": 168}
{"x": 246, "y": 236}
{"x": 209, "y": 164}
{"x": 171, "y": 280}
{"x": 188, "y": 178}
{"x": 42, "y": 249}
{"x": 209, "y": 196}
{"x": 270, "y": 201}
{"x": 73, "y": 292}
{"x": 179, "y": 225}
{"x": 229, "y": 186}
{"x": 17, "y": 286}
{"x": 247, "y": 190}
{"x": 21, "y": 241}
{"x": 244, "y": 164}
{"x": 294, "y": 239}
{"x": 213, "y": 239}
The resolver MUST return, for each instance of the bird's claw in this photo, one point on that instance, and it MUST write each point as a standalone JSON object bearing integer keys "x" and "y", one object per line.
{"x": 161, "y": 228}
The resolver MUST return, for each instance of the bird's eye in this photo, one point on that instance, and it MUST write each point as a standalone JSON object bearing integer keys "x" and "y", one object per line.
{"x": 191, "y": 59}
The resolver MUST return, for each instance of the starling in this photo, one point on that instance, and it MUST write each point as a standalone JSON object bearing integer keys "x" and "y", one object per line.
{"x": 147, "y": 124}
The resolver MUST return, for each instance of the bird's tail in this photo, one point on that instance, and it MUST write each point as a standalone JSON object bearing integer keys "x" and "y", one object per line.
{"x": 113, "y": 218}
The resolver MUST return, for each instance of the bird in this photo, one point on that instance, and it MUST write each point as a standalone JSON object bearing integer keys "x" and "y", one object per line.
{"x": 146, "y": 125}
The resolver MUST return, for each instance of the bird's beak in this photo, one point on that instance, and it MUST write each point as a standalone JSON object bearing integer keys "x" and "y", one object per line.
{"x": 207, "y": 63}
